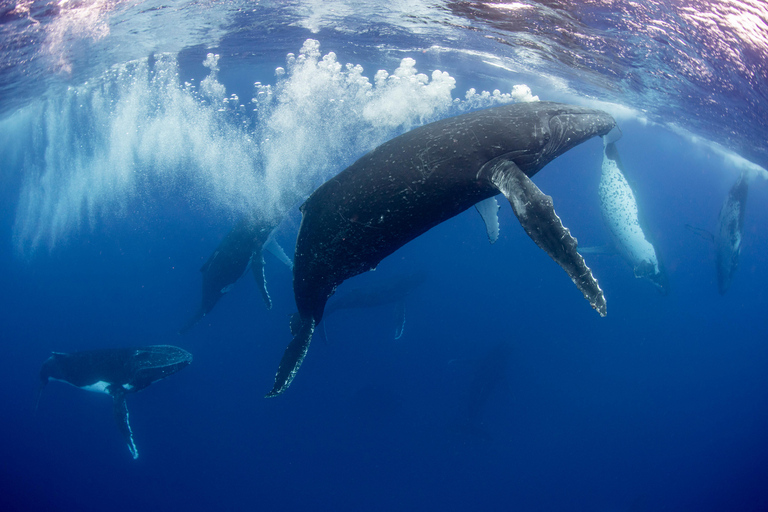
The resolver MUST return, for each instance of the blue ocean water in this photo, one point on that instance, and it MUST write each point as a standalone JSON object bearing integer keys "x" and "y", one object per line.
{"x": 134, "y": 134}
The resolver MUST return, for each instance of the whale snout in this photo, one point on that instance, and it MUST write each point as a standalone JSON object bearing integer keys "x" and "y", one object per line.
{"x": 568, "y": 127}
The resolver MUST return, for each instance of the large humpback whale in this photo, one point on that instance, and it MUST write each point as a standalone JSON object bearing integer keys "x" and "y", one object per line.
{"x": 243, "y": 246}
{"x": 415, "y": 181}
{"x": 116, "y": 372}
{"x": 619, "y": 208}
{"x": 730, "y": 225}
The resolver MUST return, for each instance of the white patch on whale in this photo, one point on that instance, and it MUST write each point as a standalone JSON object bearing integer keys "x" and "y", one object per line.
{"x": 619, "y": 208}
{"x": 96, "y": 387}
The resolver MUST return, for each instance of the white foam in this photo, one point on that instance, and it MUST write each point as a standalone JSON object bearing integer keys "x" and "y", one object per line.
{"x": 137, "y": 133}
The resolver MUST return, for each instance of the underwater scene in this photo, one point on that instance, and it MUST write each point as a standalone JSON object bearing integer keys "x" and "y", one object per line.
{"x": 425, "y": 255}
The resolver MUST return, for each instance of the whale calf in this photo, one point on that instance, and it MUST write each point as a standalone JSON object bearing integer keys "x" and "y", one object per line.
{"x": 619, "y": 209}
{"x": 414, "y": 182}
{"x": 730, "y": 225}
{"x": 242, "y": 247}
{"x": 117, "y": 372}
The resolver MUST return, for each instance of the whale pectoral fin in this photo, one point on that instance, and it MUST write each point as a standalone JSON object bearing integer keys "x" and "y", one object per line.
{"x": 536, "y": 214}
{"x": 488, "y": 210}
{"x": 399, "y": 319}
{"x": 257, "y": 268}
{"x": 295, "y": 322}
{"x": 292, "y": 358}
{"x": 120, "y": 410}
{"x": 612, "y": 136}
{"x": 278, "y": 252}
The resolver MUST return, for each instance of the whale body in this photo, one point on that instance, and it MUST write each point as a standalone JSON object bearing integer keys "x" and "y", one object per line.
{"x": 414, "y": 182}
{"x": 115, "y": 372}
{"x": 729, "y": 233}
{"x": 241, "y": 248}
{"x": 619, "y": 209}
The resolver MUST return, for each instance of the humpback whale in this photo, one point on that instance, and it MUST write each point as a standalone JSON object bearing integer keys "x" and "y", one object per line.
{"x": 393, "y": 291}
{"x": 117, "y": 372}
{"x": 728, "y": 235}
{"x": 243, "y": 246}
{"x": 417, "y": 180}
{"x": 619, "y": 208}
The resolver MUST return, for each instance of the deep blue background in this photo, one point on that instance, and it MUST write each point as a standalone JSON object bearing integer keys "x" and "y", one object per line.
{"x": 659, "y": 406}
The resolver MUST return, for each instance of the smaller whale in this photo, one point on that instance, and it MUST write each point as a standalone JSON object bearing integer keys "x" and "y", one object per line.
{"x": 392, "y": 291}
{"x": 620, "y": 213}
{"x": 116, "y": 372}
{"x": 728, "y": 236}
{"x": 242, "y": 247}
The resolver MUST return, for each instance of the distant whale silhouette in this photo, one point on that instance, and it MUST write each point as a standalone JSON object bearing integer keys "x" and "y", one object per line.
{"x": 727, "y": 238}
{"x": 117, "y": 372}
{"x": 730, "y": 226}
{"x": 488, "y": 373}
{"x": 243, "y": 246}
{"x": 391, "y": 291}
{"x": 619, "y": 208}
{"x": 415, "y": 181}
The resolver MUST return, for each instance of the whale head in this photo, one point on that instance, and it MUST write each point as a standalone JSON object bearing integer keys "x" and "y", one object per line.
{"x": 551, "y": 130}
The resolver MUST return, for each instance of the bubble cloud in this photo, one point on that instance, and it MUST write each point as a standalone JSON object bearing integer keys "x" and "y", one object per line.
{"x": 137, "y": 133}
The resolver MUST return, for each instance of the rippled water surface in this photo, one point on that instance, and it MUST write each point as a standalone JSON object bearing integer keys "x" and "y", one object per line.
{"x": 134, "y": 135}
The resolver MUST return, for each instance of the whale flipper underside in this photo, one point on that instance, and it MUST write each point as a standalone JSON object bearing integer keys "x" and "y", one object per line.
{"x": 537, "y": 215}
{"x": 619, "y": 208}
{"x": 489, "y": 211}
{"x": 120, "y": 411}
{"x": 257, "y": 269}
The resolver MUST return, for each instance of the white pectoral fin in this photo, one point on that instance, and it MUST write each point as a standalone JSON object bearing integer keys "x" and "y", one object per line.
{"x": 278, "y": 252}
{"x": 97, "y": 387}
{"x": 488, "y": 210}
{"x": 612, "y": 136}
{"x": 537, "y": 215}
{"x": 120, "y": 410}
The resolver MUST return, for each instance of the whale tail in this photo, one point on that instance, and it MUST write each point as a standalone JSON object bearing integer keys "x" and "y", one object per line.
{"x": 537, "y": 215}
{"x": 293, "y": 357}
